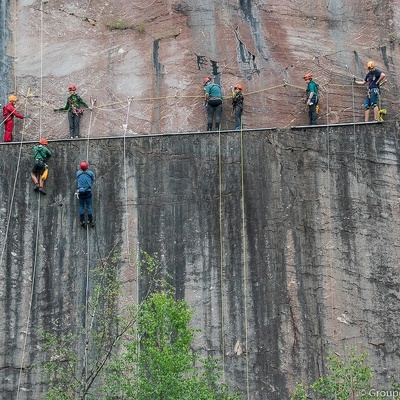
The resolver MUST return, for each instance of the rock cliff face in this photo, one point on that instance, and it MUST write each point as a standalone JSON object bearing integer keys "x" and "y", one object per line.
{"x": 284, "y": 240}
{"x": 286, "y": 243}
{"x": 144, "y": 63}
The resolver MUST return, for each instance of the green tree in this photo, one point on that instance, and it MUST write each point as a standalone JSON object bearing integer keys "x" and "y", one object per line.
{"x": 345, "y": 380}
{"x": 138, "y": 352}
{"x": 75, "y": 360}
{"x": 159, "y": 363}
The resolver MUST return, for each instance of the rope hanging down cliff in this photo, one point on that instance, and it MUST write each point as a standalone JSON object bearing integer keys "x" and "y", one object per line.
{"x": 87, "y": 270}
{"x": 33, "y": 279}
{"x": 128, "y": 230}
{"x": 32, "y": 286}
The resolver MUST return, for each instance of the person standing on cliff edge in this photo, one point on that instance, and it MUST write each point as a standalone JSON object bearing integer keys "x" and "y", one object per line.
{"x": 213, "y": 99}
{"x": 311, "y": 98}
{"x": 374, "y": 79}
{"x": 9, "y": 112}
{"x": 73, "y": 106}
{"x": 237, "y": 104}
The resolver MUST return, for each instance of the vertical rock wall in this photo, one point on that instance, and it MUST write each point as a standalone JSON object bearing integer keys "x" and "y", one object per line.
{"x": 284, "y": 241}
{"x": 144, "y": 63}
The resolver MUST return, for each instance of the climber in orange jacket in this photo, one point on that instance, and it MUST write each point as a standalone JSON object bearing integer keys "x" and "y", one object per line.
{"x": 9, "y": 111}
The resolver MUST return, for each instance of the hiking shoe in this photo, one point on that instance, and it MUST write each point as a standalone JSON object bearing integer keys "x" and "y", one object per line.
{"x": 91, "y": 224}
{"x": 83, "y": 224}
{"x": 41, "y": 190}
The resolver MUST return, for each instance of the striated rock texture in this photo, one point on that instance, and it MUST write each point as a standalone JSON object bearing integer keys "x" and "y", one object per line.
{"x": 285, "y": 241}
{"x": 143, "y": 62}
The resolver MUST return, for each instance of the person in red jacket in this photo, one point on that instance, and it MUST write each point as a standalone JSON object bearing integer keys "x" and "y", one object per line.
{"x": 9, "y": 111}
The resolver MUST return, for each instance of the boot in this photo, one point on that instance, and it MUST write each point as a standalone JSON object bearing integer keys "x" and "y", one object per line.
{"x": 209, "y": 127}
{"x": 90, "y": 218}
{"x": 82, "y": 220}
{"x": 217, "y": 126}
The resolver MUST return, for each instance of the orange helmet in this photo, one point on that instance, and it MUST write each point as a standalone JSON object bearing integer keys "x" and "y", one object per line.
{"x": 307, "y": 76}
{"x": 238, "y": 86}
{"x": 71, "y": 87}
{"x": 12, "y": 98}
{"x": 84, "y": 166}
{"x": 206, "y": 80}
{"x": 370, "y": 65}
{"x": 43, "y": 141}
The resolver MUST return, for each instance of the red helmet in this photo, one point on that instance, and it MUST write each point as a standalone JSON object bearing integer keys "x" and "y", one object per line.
{"x": 206, "y": 80}
{"x": 238, "y": 86}
{"x": 71, "y": 87}
{"x": 307, "y": 76}
{"x": 43, "y": 142}
{"x": 84, "y": 166}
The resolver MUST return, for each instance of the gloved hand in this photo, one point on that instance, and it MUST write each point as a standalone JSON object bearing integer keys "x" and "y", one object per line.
{"x": 309, "y": 102}
{"x": 26, "y": 116}
{"x": 90, "y": 108}
{"x": 77, "y": 195}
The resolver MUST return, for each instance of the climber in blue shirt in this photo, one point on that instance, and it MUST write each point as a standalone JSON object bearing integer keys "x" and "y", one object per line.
{"x": 85, "y": 178}
{"x": 373, "y": 79}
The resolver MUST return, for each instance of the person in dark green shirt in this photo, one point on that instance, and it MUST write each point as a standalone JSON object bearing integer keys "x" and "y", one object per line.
{"x": 40, "y": 169}
{"x": 73, "y": 106}
{"x": 311, "y": 98}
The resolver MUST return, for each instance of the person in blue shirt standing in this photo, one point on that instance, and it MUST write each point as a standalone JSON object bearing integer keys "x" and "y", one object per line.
{"x": 85, "y": 179}
{"x": 311, "y": 98}
{"x": 213, "y": 98}
{"x": 374, "y": 78}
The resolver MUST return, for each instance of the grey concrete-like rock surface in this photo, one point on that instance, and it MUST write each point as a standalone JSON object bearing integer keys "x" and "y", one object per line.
{"x": 311, "y": 263}
{"x": 285, "y": 241}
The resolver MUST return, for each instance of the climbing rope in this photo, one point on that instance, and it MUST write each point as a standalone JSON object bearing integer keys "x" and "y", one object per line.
{"x": 87, "y": 328}
{"x": 128, "y": 245}
{"x": 221, "y": 256}
{"x": 354, "y": 133}
{"x": 330, "y": 274}
{"x": 126, "y": 181}
{"x": 30, "y": 299}
{"x": 119, "y": 105}
{"x": 32, "y": 286}
{"x": 196, "y": 96}
{"x": 39, "y": 199}
{"x": 244, "y": 264}
{"x": 41, "y": 68}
